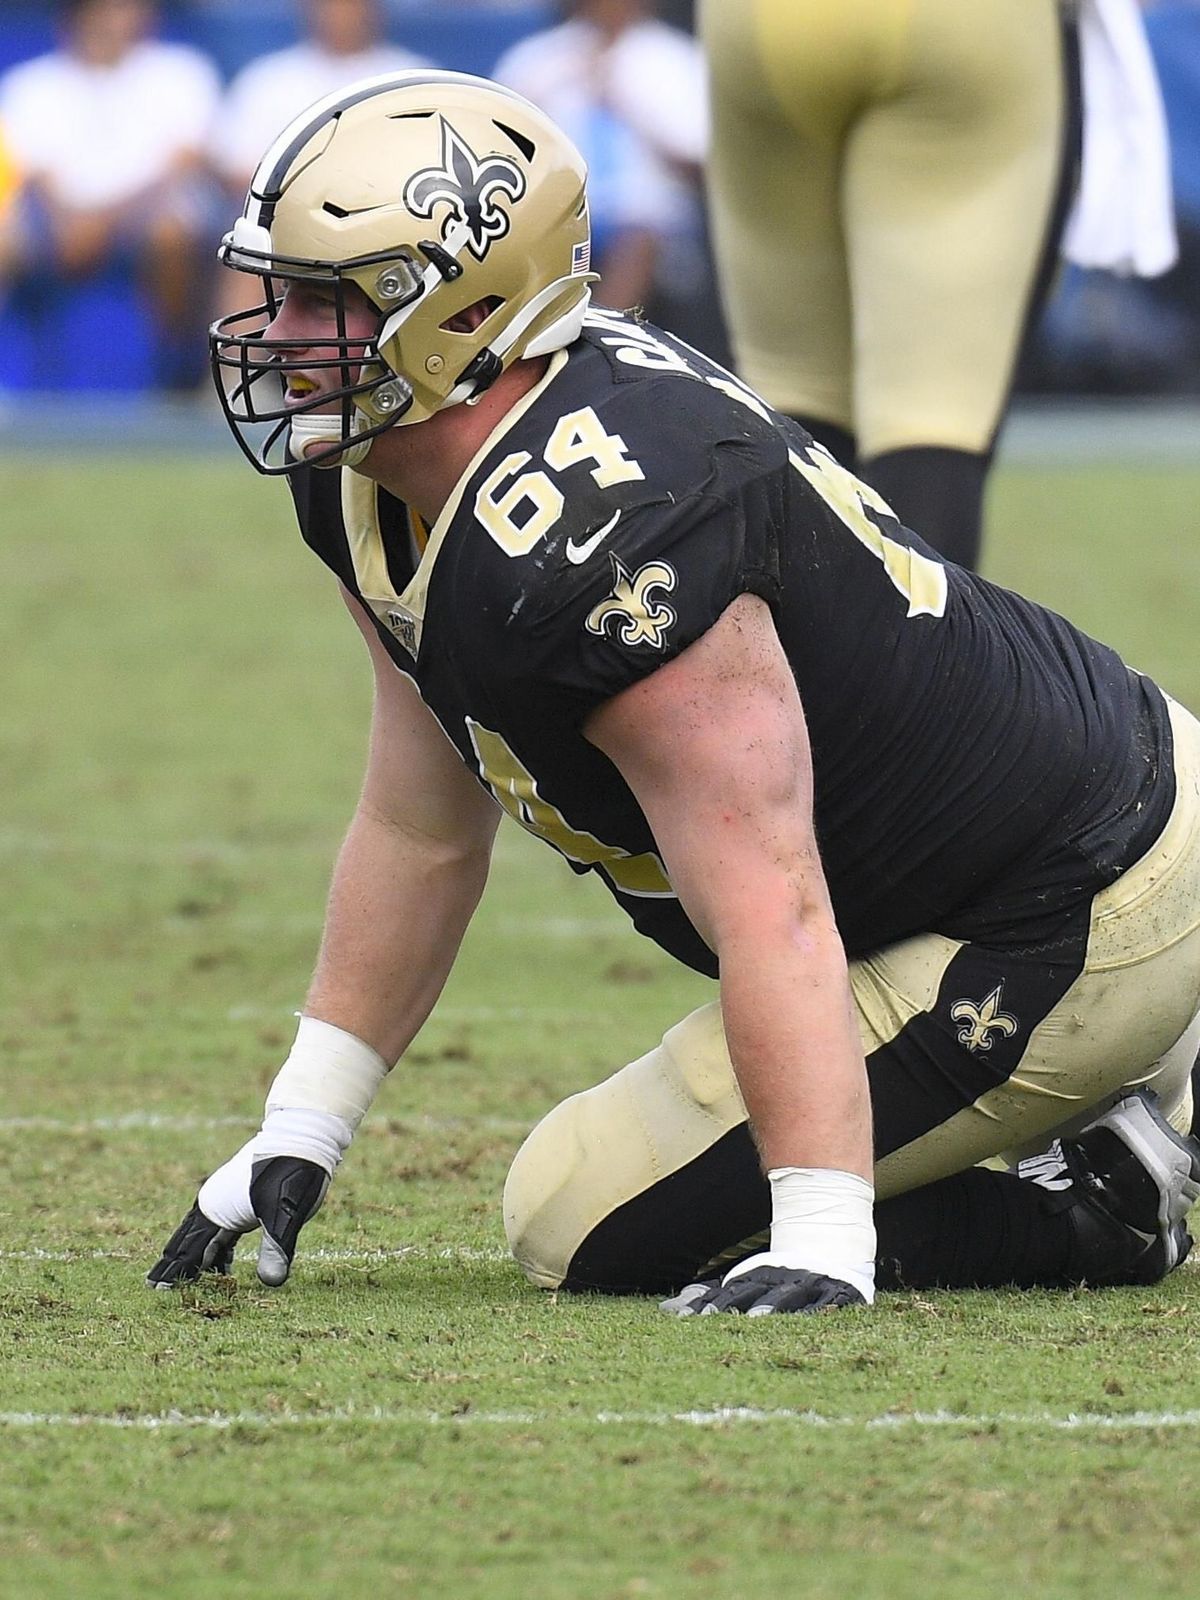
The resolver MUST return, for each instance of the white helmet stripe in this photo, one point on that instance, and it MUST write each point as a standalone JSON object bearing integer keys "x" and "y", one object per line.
{"x": 273, "y": 168}
{"x": 454, "y": 244}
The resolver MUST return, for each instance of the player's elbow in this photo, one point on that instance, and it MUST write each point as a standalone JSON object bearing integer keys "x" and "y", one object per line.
{"x": 783, "y": 914}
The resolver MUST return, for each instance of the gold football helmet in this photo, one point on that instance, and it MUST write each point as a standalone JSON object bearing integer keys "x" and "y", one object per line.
{"x": 430, "y": 191}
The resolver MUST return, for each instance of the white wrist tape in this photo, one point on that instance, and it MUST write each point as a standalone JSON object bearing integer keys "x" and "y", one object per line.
{"x": 822, "y": 1220}
{"x": 225, "y": 1196}
{"x": 329, "y": 1070}
{"x": 320, "y": 1095}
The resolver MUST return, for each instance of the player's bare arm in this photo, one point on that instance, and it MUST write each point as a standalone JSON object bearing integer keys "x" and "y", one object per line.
{"x": 409, "y": 874}
{"x": 408, "y": 878}
{"x": 715, "y": 748}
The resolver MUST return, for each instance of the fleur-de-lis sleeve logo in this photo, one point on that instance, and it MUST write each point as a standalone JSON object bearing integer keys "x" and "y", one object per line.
{"x": 468, "y": 187}
{"x": 982, "y": 1020}
{"x": 639, "y": 619}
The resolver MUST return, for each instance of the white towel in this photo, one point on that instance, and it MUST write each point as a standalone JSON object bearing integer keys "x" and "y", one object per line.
{"x": 1122, "y": 219}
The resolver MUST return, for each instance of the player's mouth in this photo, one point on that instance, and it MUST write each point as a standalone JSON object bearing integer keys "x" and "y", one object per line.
{"x": 299, "y": 389}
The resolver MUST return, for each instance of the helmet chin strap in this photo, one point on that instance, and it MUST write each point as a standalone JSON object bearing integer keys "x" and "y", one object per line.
{"x": 309, "y": 429}
{"x": 563, "y": 330}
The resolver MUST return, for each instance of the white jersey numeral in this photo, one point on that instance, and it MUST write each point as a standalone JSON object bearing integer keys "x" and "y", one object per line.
{"x": 919, "y": 579}
{"x": 577, "y": 437}
{"x": 580, "y": 436}
{"x": 495, "y": 506}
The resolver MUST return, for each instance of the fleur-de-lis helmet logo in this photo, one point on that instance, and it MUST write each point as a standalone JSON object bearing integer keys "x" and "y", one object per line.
{"x": 468, "y": 187}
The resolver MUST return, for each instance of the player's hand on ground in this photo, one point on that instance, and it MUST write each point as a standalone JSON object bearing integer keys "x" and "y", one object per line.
{"x": 278, "y": 1193}
{"x": 821, "y": 1255}
{"x": 762, "y": 1291}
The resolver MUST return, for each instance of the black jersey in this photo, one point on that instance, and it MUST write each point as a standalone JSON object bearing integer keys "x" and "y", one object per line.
{"x": 979, "y": 764}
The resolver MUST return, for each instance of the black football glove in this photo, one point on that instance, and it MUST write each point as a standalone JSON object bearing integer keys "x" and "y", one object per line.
{"x": 278, "y": 1193}
{"x": 762, "y": 1292}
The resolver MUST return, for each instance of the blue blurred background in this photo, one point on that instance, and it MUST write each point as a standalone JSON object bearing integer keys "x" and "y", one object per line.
{"x": 1100, "y": 335}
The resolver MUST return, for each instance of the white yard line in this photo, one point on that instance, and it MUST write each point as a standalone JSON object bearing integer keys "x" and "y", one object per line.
{"x": 165, "y": 1122}
{"x": 445, "y": 1013}
{"x": 722, "y": 1417}
{"x": 406, "y": 1252}
{"x": 127, "y": 1122}
{"x": 361, "y": 1257}
{"x": 144, "y": 852}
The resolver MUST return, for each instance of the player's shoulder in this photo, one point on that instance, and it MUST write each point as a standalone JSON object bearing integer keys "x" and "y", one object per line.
{"x": 693, "y": 426}
{"x": 549, "y": 49}
{"x": 637, "y": 463}
{"x": 295, "y": 62}
{"x": 40, "y": 75}
{"x": 172, "y": 67}
{"x": 631, "y": 433}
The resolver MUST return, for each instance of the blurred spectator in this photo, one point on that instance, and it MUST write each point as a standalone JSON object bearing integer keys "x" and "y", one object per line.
{"x": 108, "y": 133}
{"x": 343, "y": 40}
{"x": 9, "y": 184}
{"x": 631, "y": 92}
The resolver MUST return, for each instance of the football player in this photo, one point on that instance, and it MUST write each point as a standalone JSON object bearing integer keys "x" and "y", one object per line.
{"x": 901, "y": 168}
{"x": 941, "y": 849}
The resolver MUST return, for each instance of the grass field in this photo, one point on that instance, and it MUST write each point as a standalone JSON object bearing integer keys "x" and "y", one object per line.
{"x": 182, "y": 725}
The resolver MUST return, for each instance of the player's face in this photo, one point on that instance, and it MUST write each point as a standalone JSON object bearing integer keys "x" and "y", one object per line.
{"x": 343, "y": 26}
{"x": 310, "y": 320}
{"x": 104, "y": 31}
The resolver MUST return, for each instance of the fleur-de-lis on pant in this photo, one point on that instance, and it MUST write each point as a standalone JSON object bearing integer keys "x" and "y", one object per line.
{"x": 982, "y": 1020}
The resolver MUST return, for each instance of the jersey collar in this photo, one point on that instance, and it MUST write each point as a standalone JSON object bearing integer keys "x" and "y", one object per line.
{"x": 404, "y": 614}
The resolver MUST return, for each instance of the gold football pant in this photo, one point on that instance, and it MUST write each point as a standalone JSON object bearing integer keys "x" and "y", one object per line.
{"x": 882, "y": 178}
{"x": 973, "y": 1052}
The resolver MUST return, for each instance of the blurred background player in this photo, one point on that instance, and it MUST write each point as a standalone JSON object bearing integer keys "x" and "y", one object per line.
{"x": 889, "y": 182}
{"x": 630, "y": 91}
{"x": 108, "y": 132}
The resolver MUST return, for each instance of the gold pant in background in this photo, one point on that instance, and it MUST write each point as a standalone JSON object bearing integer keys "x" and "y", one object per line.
{"x": 882, "y": 178}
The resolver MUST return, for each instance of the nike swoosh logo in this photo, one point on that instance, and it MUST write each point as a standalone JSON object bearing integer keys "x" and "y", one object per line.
{"x": 580, "y": 552}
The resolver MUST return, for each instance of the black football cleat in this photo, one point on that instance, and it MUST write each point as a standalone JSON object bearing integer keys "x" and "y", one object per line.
{"x": 1127, "y": 1183}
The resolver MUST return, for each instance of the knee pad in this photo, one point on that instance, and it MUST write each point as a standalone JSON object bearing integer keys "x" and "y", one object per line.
{"x": 1174, "y": 1075}
{"x": 604, "y": 1147}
